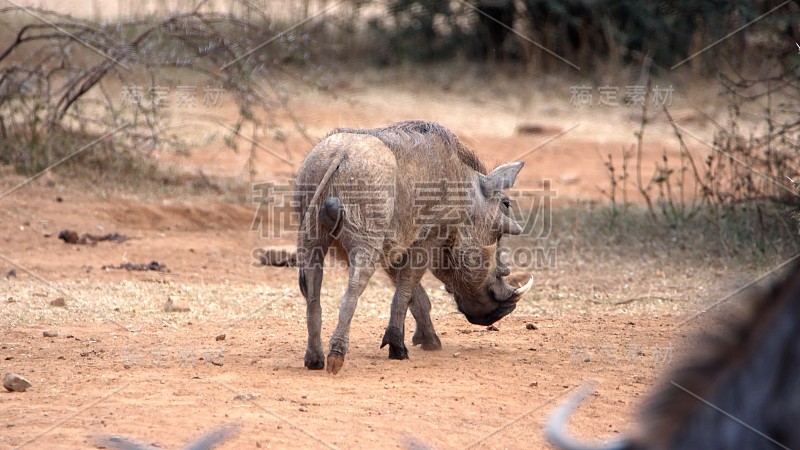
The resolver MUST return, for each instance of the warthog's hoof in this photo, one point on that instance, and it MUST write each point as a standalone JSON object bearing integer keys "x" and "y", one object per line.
{"x": 427, "y": 342}
{"x": 394, "y": 337}
{"x": 314, "y": 360}
{"x": 335, "y": 362}
{"x": 396, "y": 352}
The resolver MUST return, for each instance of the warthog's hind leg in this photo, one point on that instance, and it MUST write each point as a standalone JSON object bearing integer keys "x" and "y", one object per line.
{"x": 424, "y": 334}
{"x": 362, "y": 266}
{"x": 310, "y": 263}
{"x": 315, "y": 358}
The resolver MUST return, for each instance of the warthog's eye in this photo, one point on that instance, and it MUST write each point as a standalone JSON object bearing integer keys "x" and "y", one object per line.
{"x": 506, "y": 202}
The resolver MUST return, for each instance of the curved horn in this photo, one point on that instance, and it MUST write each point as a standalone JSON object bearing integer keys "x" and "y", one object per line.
{"x": 510, "y": 226}
{"x": 522, "y": 290}
{"x": 556, "y": 433}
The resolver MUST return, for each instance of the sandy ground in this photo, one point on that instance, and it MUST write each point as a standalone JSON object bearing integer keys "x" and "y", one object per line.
{"x": 119, "y": 364}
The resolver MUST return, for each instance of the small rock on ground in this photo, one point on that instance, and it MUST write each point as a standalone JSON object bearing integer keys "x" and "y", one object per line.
{"x": 15, "y": 383}
{"x": 60, "y": 302}
{"x": 49, "y": 334}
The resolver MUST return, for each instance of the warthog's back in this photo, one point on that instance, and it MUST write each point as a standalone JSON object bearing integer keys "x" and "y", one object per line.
{"x": 381, "y": 170}
{"x": 416, "y": 141}
{"x": 363, "y": 182}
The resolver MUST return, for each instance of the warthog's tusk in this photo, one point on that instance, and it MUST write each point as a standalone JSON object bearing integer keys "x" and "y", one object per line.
{"x": 522, "y": 290}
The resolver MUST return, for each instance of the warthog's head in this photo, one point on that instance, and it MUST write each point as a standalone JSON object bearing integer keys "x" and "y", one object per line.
{"x": 472, "y": 270}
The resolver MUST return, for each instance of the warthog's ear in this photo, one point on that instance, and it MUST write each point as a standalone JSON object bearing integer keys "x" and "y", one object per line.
{"x": 500, "y": 179}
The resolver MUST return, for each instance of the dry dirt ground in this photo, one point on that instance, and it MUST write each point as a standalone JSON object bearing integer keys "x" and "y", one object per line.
{"x": 121, "y": 365}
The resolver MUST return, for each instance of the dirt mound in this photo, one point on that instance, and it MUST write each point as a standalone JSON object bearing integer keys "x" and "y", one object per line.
{"x": 183, "y": 217}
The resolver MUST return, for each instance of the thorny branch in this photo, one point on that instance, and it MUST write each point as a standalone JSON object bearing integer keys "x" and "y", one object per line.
{"x": 52, "y": 88}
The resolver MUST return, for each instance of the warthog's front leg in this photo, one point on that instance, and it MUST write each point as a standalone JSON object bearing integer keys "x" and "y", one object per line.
{"x": 362, "y": 266}
{"x": 424, "y": 334}
{"x": 420, "y": 307}
{"x": 405, "y": 283}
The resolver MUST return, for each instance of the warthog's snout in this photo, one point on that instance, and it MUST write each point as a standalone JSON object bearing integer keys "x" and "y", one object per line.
{"x": 491, "y": 317}
{"x": 499, "y": 300}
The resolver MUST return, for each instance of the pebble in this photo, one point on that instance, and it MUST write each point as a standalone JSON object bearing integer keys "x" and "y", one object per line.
{"x": 11, "y": 273}
{"x": 15, "y": 383}
{"x": 531, "y": 326}
{"x": 49, "y": 334}
{"x": 221, "y": 337}
{"x": 60, "y": 302}
{"x": 492, "y": 328}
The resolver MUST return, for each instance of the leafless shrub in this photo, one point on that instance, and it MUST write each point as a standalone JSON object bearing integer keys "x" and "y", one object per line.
{"x": 752, "y": 164}
{"x": 67, "y": 83}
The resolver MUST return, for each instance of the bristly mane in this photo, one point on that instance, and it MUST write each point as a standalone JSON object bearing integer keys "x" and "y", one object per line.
{"x": 413, "y": 133}
{"x": 667, "y": 410}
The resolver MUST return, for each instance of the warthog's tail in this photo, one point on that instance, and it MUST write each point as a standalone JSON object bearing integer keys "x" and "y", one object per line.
{"x": 322, "y": 185}
{"x": 332, "y": 214}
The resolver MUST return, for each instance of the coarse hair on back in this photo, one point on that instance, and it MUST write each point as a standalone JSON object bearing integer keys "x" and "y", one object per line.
{"x": 418, "y": 133}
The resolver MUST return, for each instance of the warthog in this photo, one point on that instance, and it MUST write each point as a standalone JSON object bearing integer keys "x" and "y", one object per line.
{"x": 409, "y": 197}
{"x": 738, "y": 391}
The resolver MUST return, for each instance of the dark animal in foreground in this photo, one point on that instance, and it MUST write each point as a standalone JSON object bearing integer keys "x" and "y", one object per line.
{"x": 409, "y": 198}
{"x": 205, "y": 442}
{"x": 739, "y": 391}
